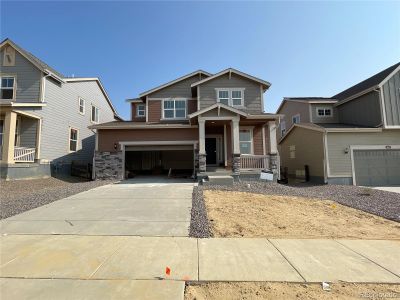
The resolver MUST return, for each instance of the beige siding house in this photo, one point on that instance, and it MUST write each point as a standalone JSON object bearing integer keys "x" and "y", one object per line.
{"x": 351, "y": 138}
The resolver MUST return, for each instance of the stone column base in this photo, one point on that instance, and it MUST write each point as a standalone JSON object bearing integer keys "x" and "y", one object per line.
{"x": 108, "y": 165}
{"x": 202, "y": 162}
{"x": 236, "y": 164}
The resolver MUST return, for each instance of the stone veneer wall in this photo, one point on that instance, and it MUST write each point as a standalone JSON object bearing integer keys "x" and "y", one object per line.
{"x": 108, "y": 165}
{"x": 236, "y": 164}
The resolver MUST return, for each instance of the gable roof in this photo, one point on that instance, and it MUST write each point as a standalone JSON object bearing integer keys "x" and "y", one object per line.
{"x": 97, "y": 80}
{"x": 366, "y": 85}
{"x": 174, "y": 81}
{"x": 33, "y": 59}
{"x": 266, "y": 84}
{"x": 218, "y": 105}
{"x": 307, "y": 100}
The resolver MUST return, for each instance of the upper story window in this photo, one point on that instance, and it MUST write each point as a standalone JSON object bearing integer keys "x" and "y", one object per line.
{"x": 246, "y": 141}
{"x": 73, "y": 139}
{"x": 81, "y": 106}
{"x": 296, "y": 119}
{"x": 9, "y": 57}
{"x": 140, "y": 110}
{"x": 95, "y": 115}
{"x": 324, "y": 112}
{"x": 283, "y": 128}
{"x": 174, "y": 109}
{"x": 7, "y": 87}
{"x": 231, "y": 96}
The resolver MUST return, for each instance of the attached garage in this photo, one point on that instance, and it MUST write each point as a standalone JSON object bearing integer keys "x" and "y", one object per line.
{"x": 376, "y": 167}
{"x": 156, "y": 159}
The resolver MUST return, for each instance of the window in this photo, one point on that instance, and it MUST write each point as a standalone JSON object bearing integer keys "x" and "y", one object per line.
{"x": 245, "y": 138}
{"x": 7, "y": 87}
{"x": 283, "y": 128}
{"x": 95, "y": 114}
{"x": 140, "y": 110}
{"x": 231, "y": 97}
{"x": 174, "y": 109}
{"x": 73, "y": 139}
{"x": 324, "y": 112}
{"x": 9, "y": 57}
{"x": 81, "y": 106}
{"x": 296, "y": 119}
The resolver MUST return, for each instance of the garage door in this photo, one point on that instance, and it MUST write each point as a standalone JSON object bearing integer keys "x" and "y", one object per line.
{"x": 377, "y": 167}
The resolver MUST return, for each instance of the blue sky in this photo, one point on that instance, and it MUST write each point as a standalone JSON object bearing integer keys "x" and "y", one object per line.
{"x": 302, "y": 48}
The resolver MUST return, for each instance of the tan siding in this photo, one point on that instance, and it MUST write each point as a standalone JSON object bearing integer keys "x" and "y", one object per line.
{"x": 309, "y": 151}
{"x": 317, "y": 119}
{"x": 108, "y": 137}
{"x": 134, "y": 117}
{"x": 154, "y": 108}
{"x": 179, "y": 89}
{"x": 292, "y": 108}
{"x": 339, "y": 162}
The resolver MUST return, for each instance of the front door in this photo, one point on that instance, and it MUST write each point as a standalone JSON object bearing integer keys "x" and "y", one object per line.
{"x": 211, "y": 151}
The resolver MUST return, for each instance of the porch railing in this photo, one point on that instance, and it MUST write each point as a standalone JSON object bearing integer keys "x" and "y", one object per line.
{"x": 24, "y": 154}
{"x": 254, "y": 162}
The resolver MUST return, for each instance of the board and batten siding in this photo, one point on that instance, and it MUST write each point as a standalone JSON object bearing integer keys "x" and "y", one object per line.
{"x": 252, "y": 92}
{"x": 340, "y": 162}
{"x": 308, "y": 148}
{"x": 62, "y": 112}
{"x": 334, "y": 118}
{"x": 28, "y": 78}
{"x": 391, "y": 96}
{"x": 363, "y": 111}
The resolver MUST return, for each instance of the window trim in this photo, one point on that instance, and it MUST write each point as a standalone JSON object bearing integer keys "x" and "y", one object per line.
{"x": 70, "y": 128}
{"x": 91, "y": 114}
{"x": 251, "y": 129}
{"x": 174, "y": 117}
{"x": 14, "y": 88}
{"x": 295, "y": 117}
{"x": 79, "y": 106}
{"x": 230, "y": 98}
{"x": 324, "y": 109}
{"x": 137, "y": 111}
{"x": 283, "y": 127}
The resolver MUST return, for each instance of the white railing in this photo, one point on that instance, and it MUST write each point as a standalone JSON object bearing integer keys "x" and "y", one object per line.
{"x": 254, "y": 162}
{"x": 24, "y": 154}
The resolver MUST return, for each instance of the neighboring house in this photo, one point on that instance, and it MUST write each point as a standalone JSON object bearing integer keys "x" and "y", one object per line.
{"x": 198, "y": 124}
{"x": 44, "y": 116}
{"x": 351, "y": 138}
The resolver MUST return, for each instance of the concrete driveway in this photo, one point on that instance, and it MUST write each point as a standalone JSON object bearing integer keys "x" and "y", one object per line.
{"x": 147, "y": 206}
{"x": 393, "y": 189}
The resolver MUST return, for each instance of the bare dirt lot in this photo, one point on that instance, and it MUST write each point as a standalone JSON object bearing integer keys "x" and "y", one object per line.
{"x": 276, "y": 290}
{"x": 240, "y": 214}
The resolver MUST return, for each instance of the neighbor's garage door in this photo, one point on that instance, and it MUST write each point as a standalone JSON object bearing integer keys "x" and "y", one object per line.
{"x": 377, "y": 167}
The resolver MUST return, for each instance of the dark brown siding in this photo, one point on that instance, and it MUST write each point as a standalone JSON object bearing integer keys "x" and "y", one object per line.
{"x": 134, "y": 117}
{"x": 258, "y": 140}
{"x": 108, "y": 137}
{"x": 192, "y": 106}
{"x": 154, "y": 108}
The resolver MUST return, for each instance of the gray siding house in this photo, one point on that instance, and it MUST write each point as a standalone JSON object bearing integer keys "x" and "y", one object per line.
{"x": 350, "y": 138}
{"x": 44, "y": 116}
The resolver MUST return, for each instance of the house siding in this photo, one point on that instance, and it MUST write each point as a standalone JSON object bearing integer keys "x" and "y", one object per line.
{"x": 290, "y": 109}
{"x": 27, "y": 132}
{"x": 362, "y": 111}
{"x": 258, "y": 140}
{"x": 309, "y": 150}
{"x": 28, "y": 78}
{"x": 252, "y": 92}
{"x": 391, "y": 96}
{"x": 62, "y": 112}
{"x": 107, "y": 138}
{"x": 180, "y": 89}
{"x": 317, "y": 119}
{"x": 154, "y": 107}
{"x": 135, "y": 118}
{"x": 340, "y": 162}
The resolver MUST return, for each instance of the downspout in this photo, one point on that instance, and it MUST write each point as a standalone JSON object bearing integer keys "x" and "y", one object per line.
{"x": 44, "y": 86}
{"x": 94, "y": 153}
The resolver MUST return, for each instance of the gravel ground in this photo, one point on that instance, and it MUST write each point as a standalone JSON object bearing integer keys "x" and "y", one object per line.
{"x": 22, "y": 195}
{"x": 377, "y": 202}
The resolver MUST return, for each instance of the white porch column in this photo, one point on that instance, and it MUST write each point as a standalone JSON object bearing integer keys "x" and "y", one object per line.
{"x": 273, "y": 149}
{"x": 10, "y": 122}
{"x": 202, "y": 136}
{"x": 235, "y": 136}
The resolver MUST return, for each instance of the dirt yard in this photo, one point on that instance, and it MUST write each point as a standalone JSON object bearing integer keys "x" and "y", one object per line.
{"x": 240, "y": 214}
{"x": 268, "y": 290}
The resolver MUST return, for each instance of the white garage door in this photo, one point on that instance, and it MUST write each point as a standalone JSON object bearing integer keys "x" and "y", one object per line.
{"x": 377, "y": 167}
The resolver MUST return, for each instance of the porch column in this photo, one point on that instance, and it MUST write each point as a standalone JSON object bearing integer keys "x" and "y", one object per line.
{"x": 10, "y": 122}
{"x": 236, "y": 147}
{"x": 202, "y": 145}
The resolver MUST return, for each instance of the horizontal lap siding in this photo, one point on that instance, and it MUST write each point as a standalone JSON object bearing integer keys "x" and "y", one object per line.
{"x": 191, "y": 106}
{"x": 180, "y": 89}
{"x": 252, "y": 92}
{"x": 28, "y": 78}
{"x": 27, "y": 132}
{"x": 290, "y": 109}
{"x": 340, "y": 162}
{"x": 154, "y": 108}
{"x": 135, "y": 118}
{"x": 108, "y": 137}
{"x": 258, "y": 140}
{"x": 391, "y": 92}
{"x": 334, "y": 118}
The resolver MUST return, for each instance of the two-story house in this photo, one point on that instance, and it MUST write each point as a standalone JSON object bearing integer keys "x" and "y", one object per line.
{"x": 44, "y": 116}
{"x": 350, "y": 138}
{"x": 199, "y": 124}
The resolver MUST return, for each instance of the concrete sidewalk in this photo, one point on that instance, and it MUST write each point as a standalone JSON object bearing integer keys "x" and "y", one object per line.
{"x": 80, "y": 260}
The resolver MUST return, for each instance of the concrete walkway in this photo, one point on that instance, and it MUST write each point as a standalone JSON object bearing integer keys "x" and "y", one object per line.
{"x": 147, "y": 206}
{"x": 88, "y": 265}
